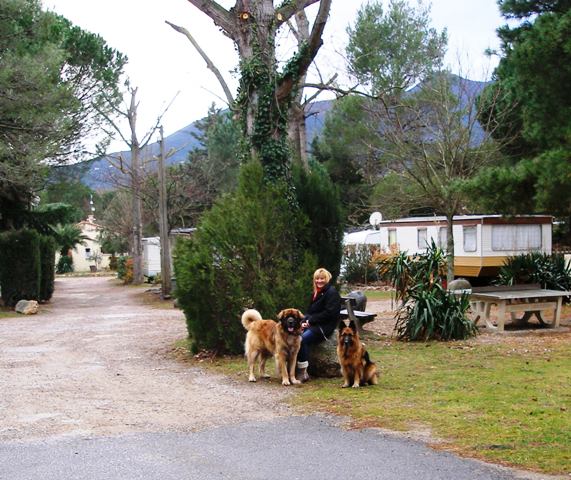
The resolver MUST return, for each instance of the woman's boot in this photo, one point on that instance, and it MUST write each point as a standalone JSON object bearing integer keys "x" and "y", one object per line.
{"x": 301, "y": 371}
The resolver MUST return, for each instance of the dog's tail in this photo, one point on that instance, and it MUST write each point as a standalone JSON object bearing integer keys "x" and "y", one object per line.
{"x": 371, "y": 374}
{"x": 366, "y": 357}
{"x": 250, "y": 316}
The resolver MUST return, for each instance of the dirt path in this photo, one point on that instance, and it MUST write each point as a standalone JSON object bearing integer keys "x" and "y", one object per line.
{"x": 97, "y": 362}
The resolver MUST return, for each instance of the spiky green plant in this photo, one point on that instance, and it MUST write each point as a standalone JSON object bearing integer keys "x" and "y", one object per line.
{"x": 427, "y": 310}
{"x": 549, "y": 270}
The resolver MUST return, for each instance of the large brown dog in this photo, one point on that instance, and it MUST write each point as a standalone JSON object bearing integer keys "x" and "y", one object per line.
{"x": 356, "y": 366}
{"x": 280, "y": 339}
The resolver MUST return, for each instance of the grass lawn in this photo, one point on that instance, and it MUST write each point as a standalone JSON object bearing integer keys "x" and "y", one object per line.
{"x": 373, "y": 295}
{"x": 6, "y": 312}
{"x": 505, "y": 401}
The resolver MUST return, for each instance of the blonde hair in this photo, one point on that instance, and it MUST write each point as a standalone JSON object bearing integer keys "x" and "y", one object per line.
{"x": 321, "y": 272}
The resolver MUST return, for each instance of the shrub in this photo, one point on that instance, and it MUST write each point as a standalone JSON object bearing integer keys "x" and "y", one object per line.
{"x": 113, "y": 262}
{"x": 431, "y": 312}
{"x": 358, "y": 266}
{"x": 20, "y": 258}
{"x": 427, "y": 310}
{"x": 123, "y": 267}
{"x": 128, "y": 273}
{"x": 550, "y": 271}
{"x": 320, "y": 200}
{"x": 64, "y": 264}
{"x": 48, "y": 248}
{"x": 245, "y": 253}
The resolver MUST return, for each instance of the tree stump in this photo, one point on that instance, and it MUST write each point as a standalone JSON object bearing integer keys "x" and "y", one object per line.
{"x": 323, "y": 359}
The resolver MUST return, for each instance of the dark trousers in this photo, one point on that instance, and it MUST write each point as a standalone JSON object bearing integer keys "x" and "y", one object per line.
{"x": 308, "y": 338}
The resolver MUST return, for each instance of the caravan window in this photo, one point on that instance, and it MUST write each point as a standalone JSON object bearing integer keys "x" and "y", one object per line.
{"x": 470, "y": 239}
{"x": 392, "y": 237}
{"x": 421, "y": 238}
{"x": 443, "y": 238}
{"x": 516, "y": 237}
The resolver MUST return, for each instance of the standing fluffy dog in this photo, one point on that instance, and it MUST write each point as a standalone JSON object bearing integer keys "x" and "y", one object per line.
{"x": 356, "y": 366}
{"x": 280, "y": 339}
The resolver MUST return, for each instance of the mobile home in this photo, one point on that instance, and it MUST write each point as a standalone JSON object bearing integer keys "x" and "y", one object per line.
{"x": 482, "y": 243}
{"x": 151, "y": 256}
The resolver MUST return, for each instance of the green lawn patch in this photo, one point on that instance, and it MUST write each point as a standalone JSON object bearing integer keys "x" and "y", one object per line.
{"x": 6, "y": 312}
{"x": 373, "y": 295}
{"x": 507, "y": 401}
{"x": 494, "y": 402}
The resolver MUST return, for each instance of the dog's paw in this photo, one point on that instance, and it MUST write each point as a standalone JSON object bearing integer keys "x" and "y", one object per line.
{"x": 252, "y": 379}
{"x": 295, "y": 381}
{"x": 266, "y": 375}
{"x": 356, "y": 385}
{"x": 345, "y": 385}
{"x": 286, "y": 382}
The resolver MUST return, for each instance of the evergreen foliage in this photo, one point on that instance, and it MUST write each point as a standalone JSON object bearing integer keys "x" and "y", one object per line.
{"x": 64, "y": 264}
{"x": 53, "y": 76}
{"x": 319, "y": 198}
{"x": 390, "y": 51}
{"x": 358, "y": 266}
{"x": 548, "y": 270}
{"x": 245, "y": 253}
{"x": 68, "y": 237}
{"x": 47, "y": 260}
{"x": 21, "y": 268}
{"x": 531, "y": 78}
{"x": 427, "y": 311}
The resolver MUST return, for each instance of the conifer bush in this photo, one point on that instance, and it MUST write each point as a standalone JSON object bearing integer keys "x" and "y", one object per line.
{"x": 320, "y": 199}
{"x": 47, "y": 271}
{"x": 21, "y": 269}
{"x": 245, "y": 253}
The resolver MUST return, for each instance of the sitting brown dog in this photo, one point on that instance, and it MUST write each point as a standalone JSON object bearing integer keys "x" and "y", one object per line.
{"x": 356, "y": 366}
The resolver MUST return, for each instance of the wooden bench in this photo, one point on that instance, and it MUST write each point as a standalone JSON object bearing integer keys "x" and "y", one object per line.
{"x": 527, "y": 299}
{"x": 358, "y": 316}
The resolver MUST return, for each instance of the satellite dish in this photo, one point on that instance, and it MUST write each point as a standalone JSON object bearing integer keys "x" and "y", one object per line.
{"x": 375, "y": 219}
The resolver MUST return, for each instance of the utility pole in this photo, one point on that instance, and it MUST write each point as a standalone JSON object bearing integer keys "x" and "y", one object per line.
{"x": 166, "y": 284}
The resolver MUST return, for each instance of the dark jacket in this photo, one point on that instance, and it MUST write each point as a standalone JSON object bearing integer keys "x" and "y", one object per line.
{"x": 323, "y": 312}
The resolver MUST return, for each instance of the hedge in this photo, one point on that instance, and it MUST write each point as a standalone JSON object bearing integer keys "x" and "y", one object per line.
{"x": 21, "y": 269}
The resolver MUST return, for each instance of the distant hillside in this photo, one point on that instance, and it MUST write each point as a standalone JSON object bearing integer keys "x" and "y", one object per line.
{"x": 96, "y": 173}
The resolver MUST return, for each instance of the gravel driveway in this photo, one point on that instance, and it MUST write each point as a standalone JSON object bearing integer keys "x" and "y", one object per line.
{"x": 96, "y": 361}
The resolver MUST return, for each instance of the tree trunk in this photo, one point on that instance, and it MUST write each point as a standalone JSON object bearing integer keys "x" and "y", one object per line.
{"x": 137, "y": 205}
{"x": 137, "y": 241}
{"x": 264, "y": 94}
{"x": 163, "y": 226}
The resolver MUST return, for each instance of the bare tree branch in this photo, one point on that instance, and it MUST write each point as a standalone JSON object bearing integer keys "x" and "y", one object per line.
{"x": 313, "y": 46}
{"x": 219, "y": 15}
{"x": 209, "y": 64}
{"x": 287, "y": 11}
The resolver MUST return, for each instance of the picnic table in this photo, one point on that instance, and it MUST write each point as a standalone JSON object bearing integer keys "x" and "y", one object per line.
{"x": 530, "y": 300}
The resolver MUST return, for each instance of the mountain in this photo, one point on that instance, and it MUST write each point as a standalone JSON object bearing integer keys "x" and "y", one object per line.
{"x": 96, "y": 173}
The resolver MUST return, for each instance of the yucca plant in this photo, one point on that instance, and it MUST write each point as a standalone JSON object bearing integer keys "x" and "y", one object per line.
{"x": 550, "y": 271}
{"x": 428, "y": 310}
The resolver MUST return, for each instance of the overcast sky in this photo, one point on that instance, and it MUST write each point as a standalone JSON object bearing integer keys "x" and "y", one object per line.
{"x": 162, "y": 62}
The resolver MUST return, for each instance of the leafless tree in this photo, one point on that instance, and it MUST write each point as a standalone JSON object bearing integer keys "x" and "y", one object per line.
{"x": 132, "y": 171}
{"x": 434, "y": 138}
